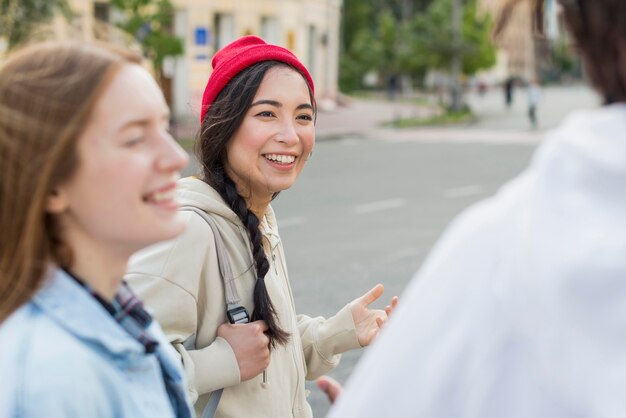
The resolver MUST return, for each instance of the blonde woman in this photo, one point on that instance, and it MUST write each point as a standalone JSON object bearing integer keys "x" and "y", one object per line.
{"x": 87, "y": 173}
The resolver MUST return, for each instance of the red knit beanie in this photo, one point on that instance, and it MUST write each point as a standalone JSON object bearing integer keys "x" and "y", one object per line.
{"x": 239, "y": 55}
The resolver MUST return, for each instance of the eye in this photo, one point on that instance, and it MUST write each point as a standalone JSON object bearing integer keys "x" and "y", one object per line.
{"x": 265, "y": 114}
{"x": 134, "y": 142}
{"x": 305, "y": 116}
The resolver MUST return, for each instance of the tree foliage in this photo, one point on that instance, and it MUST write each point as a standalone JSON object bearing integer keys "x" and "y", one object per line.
{"x": 477, "y": 50}
{"x": 150, "y": 22}
{"x": 565, "y": 60}
{"x": 19, "y": 18}
{"x": 409, "y": 38}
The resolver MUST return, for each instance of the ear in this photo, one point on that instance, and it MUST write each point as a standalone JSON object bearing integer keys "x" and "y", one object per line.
{"x": 57, "y": 201}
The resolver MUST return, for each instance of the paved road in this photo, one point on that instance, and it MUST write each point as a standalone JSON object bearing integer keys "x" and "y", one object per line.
{"x": 372, "y": 201}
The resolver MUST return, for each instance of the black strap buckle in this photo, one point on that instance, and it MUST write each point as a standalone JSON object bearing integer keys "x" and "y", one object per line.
{"x": 238, "y": 315}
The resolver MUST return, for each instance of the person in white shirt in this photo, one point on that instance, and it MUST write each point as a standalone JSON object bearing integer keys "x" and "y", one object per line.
{"x": 520, "y": 309}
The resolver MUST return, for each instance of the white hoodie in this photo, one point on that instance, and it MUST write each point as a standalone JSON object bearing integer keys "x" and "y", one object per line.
{"x": 520, "y": 310}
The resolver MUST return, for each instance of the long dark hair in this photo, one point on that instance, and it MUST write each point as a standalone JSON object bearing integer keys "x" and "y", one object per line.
{"x": 218, "y": 127}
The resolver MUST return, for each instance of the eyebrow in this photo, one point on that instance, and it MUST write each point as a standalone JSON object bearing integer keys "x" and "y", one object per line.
{"x": 268, "y": 102}
{"x": 142, "y": 122}
{"x": 278, "y": 104}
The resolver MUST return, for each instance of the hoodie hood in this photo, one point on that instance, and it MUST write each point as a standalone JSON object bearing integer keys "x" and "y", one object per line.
{"x": 596, "y": 138}
{"x": 191, "y": 191}
{"x": 572, "y": 219}
{"x": 570, "y": 247}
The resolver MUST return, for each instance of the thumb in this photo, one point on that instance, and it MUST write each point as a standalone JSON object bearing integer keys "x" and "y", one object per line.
{"x": 372, "y": 295}
{"x": 330, "y": 387}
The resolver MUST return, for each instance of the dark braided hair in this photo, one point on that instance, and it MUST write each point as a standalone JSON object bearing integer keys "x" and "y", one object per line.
{"x": 218, "y": 127}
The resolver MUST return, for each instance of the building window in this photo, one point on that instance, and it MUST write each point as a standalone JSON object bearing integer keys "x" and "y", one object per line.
{"x": 269, "y": 29}
{"x": 101, "y": 11}
{"x": 224, "y": 30}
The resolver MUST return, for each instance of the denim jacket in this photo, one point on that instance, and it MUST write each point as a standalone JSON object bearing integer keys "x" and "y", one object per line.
{"x": 63, "y": 355}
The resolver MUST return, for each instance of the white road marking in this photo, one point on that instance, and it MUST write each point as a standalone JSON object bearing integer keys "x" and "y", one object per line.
{"x": 465, "y": 191}
{"x": 350, "y": 141}
{"x": 409, "y": 252}
{"x": 378, "y": 206}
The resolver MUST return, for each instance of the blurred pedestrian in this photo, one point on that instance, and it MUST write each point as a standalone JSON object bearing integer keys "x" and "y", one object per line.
{"x": 257, "y": 134}
{"x": 392, "y": 86}
{"x": 508, "y": 85}
{"x": 533, "y": 93}
{"x": 87, "y": 170}
{"x": 481, "y": 87}
{"x": 519, "y": 311}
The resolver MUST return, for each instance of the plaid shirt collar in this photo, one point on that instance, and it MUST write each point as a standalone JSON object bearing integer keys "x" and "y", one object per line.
{"x": 128, "y": 311}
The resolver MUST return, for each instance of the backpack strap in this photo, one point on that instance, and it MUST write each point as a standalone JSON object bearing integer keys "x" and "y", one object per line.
{"x": 236, "y": 313}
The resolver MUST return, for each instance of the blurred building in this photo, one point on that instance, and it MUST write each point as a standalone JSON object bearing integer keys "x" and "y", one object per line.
{"x": 309, "y": 28}
{"x": 525, "y": 49}
{"x": 517, "y": 43}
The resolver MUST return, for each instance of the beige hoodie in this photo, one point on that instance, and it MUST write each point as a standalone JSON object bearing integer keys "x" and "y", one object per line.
{"x": 180, "y": 282}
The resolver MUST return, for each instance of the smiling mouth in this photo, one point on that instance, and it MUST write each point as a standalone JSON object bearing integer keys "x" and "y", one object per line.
{"x": 160, "y": 196}
{"x": 280, "y": 159}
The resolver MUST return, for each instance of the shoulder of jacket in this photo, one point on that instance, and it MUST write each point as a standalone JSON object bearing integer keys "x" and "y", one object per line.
{"x": 193, "y": 244}
{"x": 47, "y": 351}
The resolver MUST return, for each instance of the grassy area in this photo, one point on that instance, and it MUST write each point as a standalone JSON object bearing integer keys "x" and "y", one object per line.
{"x": 448, "y": 118}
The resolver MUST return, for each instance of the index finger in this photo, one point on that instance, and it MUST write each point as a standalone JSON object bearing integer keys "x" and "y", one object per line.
{"x": 372, "y": 295}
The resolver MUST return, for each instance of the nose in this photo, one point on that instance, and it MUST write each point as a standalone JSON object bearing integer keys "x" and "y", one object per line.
{"x": 288, "y": 133}
{"x": 172, "y": 157}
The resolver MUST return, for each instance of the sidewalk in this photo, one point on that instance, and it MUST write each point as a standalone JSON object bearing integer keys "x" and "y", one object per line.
{"x": 494, "y": 122}
{"x": 362, "y": 117}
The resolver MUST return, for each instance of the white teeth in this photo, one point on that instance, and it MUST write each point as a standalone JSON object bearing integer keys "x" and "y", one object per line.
{"x": 283, "y": 159}
{"x": 161, "y": 196}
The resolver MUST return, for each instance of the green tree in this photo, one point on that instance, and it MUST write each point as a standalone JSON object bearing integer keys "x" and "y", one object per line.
{"x": 355, "y": 60}
{"x": 408, "y": 37}
{"x": 356, "y": 16}
{"x": 150, "y": 22}
{"x": 477, "y": 49}
{"x": 565, "y": 61}
{"x": 19, "y": 18}
{"x": 381, "y": 42}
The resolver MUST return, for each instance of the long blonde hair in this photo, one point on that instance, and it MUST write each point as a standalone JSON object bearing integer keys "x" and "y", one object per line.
{"x": 47, "y": 93}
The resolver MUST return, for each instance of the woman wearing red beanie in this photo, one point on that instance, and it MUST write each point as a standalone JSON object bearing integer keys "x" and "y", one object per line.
{"x": 257, "y": 132}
